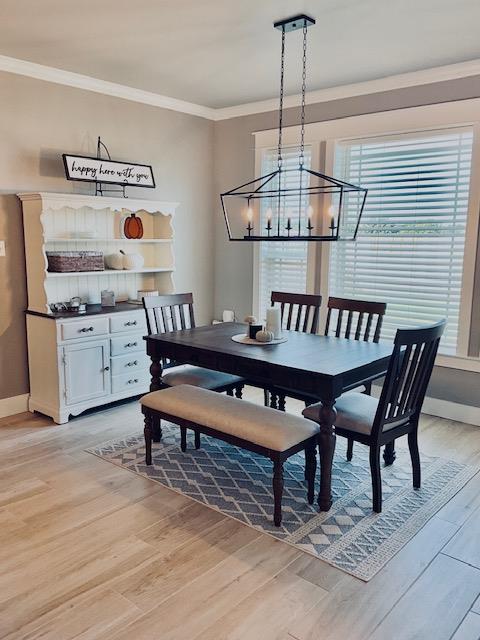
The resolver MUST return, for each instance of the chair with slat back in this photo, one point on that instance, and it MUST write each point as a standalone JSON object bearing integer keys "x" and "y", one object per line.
{"x": 357, "y": 320}
{"x": 299, "y": 312}
{"x": 379, "y": 422}
{"x": 175, "y": 312}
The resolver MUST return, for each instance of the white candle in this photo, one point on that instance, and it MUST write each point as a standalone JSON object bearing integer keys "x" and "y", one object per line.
{"x": 274, "y": 322}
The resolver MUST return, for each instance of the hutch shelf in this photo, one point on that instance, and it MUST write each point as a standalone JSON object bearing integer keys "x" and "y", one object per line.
{"x": 82, "y": 361}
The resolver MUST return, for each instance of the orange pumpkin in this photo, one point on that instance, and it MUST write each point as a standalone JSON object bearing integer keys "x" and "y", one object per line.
{"x": 133, "y": 228}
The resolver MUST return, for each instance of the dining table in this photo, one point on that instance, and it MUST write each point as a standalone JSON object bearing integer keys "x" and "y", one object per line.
{"x": 320, "y": 367}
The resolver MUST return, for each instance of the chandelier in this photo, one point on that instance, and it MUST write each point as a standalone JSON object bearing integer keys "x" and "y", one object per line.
{"x": 295, "y": 204}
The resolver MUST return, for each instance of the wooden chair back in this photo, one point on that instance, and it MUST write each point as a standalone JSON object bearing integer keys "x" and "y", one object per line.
{"x": 299, "y": 311}
{"x": 169, "y": 313}
{"x": 357, "y": 319}
{"x": 408, "y": 375}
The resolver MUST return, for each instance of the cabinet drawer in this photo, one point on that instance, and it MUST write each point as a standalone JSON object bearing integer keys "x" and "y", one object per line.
{"x": 127, "y": 344}
{"x": 128, "y": 381}
{"x": 130, "y": 322}
{"x": 130, "y": 362}
{"x": 84, "y": 328}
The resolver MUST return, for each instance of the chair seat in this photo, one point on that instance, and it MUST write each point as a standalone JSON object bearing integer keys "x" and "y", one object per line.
{"x": 355, "y": 412}
{"x": 263, "y": 426}
{"x": 199, "y": 377}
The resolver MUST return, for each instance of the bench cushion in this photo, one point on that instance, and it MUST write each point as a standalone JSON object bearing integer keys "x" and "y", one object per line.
{"x": 268, "y": 428}
{"x": 199, "y": 377}
{"x": 355, "y": 412}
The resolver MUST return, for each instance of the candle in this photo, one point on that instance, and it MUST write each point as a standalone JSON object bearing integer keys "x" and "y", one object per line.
{"x": 274, "y": 322}
{"x": 250, "y": 219}
{"x": 269, "y": 221}
{"x": 331, "y": 213}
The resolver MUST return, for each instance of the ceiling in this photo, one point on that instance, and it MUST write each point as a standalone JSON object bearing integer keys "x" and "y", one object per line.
{"x": 225, "y": 52}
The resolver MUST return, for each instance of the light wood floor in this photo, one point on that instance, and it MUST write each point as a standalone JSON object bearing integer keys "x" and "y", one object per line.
{"x": 91, "y": 551}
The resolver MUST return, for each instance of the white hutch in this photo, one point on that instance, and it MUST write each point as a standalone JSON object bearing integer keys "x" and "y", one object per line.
{"x": 82, "y": 361}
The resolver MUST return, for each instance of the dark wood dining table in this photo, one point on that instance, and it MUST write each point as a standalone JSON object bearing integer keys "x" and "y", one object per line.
{"x": 318, "y": 366}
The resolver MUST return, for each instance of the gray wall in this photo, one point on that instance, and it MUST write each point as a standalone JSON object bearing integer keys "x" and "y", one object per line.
{"x": 234, "y": 164}
{"x": 39, "y": 121}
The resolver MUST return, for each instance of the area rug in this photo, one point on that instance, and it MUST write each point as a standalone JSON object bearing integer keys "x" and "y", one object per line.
{"x": 350, "y": 536}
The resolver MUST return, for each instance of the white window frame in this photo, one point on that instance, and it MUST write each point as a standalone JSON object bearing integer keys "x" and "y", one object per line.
{"x": 425, "y": 118}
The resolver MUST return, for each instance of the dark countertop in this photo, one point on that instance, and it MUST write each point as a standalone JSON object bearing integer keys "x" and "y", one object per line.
{"x": 92, "y": 310}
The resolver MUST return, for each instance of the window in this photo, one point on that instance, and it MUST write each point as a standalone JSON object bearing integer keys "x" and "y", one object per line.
{"x": 410, "y": 246}
{"x": 282, "y": 266}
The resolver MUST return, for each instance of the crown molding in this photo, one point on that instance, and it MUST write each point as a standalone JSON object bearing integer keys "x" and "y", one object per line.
{"x": 88, "y": 83}
{"x": 79, "y": 81}
{"x": 388, "y": 83}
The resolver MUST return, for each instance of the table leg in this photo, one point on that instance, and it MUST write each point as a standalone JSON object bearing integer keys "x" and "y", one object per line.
{"x": 156, "y": 371}
{"x": 326, "y": 445}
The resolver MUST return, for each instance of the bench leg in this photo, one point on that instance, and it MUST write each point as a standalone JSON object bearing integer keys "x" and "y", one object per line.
{"x": 277, "y": 492}
{"x": 148, "y": 433}
{"x": 197, "y": 439}
{"x": 281, "y": 402}
{"x": 273, "y": 400}
{"x": 183, "y": 439}
{"x": 239, "y": 391}
{"x": 310, "y": 470}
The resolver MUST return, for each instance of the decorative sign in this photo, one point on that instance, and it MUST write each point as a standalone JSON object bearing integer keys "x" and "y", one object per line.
{"x": 88, "y": 169}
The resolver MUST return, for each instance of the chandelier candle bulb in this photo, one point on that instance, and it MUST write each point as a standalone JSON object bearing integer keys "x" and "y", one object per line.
{"x": 331, "y": 213}
{"x": 250, "y": 220}
{"x": 274, "y": 322}
{"x": 269, "y": 221}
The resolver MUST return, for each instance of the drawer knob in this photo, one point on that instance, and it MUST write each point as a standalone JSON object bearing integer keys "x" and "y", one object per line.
{"x": 130, "y": 344}
{"x": 131, "y": 323}
{"x": 132, "y": 364}
{"x": 106, "y": 369}
{"x": 85, "y": 329}
{"x": 133, "y": 381}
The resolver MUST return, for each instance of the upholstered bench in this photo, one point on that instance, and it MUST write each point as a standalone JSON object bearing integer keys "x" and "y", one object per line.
{"x": 268, "y": 432}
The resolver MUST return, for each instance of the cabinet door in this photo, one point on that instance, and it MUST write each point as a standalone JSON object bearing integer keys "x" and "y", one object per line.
{"x": 87, "y": 370}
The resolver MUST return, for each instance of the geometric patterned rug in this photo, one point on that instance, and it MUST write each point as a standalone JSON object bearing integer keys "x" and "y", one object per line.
{"x": 350, "y": 536}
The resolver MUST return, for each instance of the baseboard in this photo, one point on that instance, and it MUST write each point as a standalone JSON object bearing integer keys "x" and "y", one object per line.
{"x": 445, "y": 409}
{"x": 11, "y": 406}
{"x": 452, "y": 411}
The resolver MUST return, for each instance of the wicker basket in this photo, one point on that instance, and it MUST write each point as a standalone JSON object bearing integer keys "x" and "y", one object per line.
{"x": 70, "y": 261}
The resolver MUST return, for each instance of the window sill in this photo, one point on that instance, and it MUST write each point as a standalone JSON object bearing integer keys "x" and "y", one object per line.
{"x": 456, "y": 362}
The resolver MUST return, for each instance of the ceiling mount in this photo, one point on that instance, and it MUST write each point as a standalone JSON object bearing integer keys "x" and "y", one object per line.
{"x": 294, "y": 23}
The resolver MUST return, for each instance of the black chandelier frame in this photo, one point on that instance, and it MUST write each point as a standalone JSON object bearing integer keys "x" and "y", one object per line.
{"x": 262, "y": 188}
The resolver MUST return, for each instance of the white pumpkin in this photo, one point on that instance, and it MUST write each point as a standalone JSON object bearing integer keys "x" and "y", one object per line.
{"x": 114, "y": 261}
{"x": 264, "y": 336}
{"x": 132, "y": 260}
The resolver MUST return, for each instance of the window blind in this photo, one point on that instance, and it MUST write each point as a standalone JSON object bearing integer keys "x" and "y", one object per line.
{"x": 282, "y": 265}
{"x": 410, "y": 245}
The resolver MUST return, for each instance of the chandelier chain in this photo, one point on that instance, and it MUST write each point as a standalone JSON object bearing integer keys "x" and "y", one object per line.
{"x": 280, "y": 110}
{"x": 304, "y": 89}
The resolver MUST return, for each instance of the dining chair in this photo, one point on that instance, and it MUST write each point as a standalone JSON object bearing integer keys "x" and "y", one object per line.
{"x": 172, "y": 313}
{"x": 357, "y": 320}
{"x": 377, "y": 422}
{"x": 298, "y": 312}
